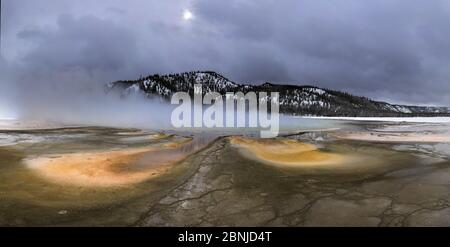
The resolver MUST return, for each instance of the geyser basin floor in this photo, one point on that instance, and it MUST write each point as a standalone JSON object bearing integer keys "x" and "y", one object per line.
{"x": 286, "y": 152}
{"x": 232, "y": 190}
{"x": 112, "y": 168}
{"x": 104, "y": 169}
{"x": 396, "y": 184}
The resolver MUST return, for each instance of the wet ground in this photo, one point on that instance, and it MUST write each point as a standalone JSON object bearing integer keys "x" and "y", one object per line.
{"x": 394, "y": 184}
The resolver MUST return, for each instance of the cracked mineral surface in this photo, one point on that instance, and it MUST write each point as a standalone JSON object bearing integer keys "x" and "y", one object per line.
{"x": 390, "y": 184}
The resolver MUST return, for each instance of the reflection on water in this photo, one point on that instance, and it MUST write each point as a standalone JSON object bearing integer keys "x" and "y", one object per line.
{"x": 298, "y": 124}
{"x": 176, "y": 153}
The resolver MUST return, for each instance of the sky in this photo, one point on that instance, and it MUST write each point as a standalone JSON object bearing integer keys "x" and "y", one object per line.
{"x": 392, "y": 50}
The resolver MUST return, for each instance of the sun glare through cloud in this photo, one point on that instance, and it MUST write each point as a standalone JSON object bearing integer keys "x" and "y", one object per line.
{"x": 187, "y": 15}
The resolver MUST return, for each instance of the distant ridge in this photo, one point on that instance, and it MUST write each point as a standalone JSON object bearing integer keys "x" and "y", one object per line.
{"x": 294, "y": 100}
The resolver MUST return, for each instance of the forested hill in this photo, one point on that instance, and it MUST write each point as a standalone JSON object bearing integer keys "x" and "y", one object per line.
{"x": 294, "y": 100}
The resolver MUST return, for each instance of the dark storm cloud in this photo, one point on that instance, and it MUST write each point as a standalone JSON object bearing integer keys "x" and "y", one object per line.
{"x": 88, "y": 43}
{"x": 367, "y": 47}
{"x": 396, "y": 50}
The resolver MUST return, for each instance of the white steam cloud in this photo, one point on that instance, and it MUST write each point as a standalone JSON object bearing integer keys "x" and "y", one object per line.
{"x": 77, "y": 99}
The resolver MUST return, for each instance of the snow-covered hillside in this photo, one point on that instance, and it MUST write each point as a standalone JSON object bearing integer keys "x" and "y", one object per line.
{"x": 294, "y": 100}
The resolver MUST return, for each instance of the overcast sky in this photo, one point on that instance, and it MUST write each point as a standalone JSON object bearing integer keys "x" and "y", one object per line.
{"x": 391, "y": 50}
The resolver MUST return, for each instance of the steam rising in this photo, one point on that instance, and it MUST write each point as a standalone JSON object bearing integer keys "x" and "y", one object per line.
{"x": 78, "y": 99}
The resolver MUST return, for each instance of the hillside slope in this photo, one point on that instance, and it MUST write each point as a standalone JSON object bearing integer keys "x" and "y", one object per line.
{"x": 294, "y": 100}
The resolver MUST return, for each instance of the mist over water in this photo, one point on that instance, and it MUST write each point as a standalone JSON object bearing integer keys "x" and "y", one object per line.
{"x": 96, "y": 107}
{"x": 75, "y": 98}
